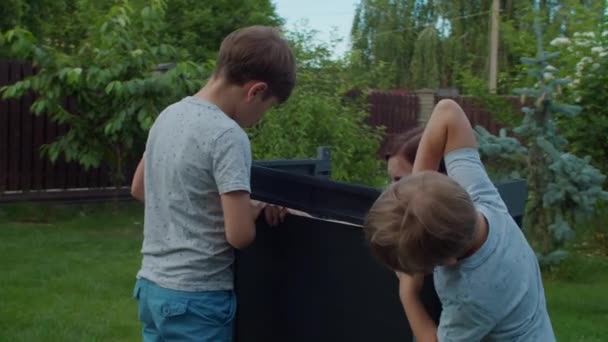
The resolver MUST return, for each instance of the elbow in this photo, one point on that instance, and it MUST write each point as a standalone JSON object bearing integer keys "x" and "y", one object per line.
{"x": 447, "y": 103}
{"x": 137, "y": 192}
{"x": 241, "y": 239}
{"x": 449, "y": 108}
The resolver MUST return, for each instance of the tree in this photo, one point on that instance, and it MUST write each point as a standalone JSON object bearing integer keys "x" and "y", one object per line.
{"x": 425, "y": 65}
{"x": 195, "y": 27}
{"x": 198, "y": 26}
{"x": 110, "y": 81}
{"x": 384, "y": 31}
{"x": 11, "y": 12}
{"x": 564, "y": 189}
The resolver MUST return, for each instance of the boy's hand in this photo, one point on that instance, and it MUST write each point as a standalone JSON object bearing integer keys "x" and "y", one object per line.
{"x": 423, "y": 327}
{"x": 410, "y": 285}
{"x": 275, "y": 214}
{"x": 256, "y": 208}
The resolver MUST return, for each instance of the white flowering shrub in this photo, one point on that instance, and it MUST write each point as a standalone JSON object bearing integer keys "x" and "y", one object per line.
{"x": 580, "y": 55}
{"x": 585, "y": 60}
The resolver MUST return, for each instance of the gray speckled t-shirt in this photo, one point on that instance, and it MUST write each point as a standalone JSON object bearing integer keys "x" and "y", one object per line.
{"x": 194, "y": 153}
{"x": 497, "y": 293}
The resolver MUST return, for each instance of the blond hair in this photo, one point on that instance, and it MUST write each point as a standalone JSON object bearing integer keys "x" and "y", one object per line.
{"x": 420, "y": 222}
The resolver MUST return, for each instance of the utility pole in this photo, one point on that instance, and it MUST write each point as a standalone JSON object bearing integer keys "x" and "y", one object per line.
{"x": 494, "y": 46}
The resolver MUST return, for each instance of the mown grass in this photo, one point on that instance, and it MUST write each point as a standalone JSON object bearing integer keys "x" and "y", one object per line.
{"x": 68, "y": 273}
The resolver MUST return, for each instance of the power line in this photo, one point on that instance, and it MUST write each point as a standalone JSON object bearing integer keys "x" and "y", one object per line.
{"x": 443, "y": 19}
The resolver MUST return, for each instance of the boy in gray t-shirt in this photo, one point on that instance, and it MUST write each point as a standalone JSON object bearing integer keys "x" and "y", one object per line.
{"x": 486, "y": 274}
{"x": 195, "y": 182}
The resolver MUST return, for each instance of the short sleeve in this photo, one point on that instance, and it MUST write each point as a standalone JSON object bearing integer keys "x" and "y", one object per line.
{"x": 464, "y": 323}
{"x": 465, "y": 167}
{"x": 232, "y": 161}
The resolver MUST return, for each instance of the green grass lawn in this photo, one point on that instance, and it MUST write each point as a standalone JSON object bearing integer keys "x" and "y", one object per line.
{"x": 67, "y": 274}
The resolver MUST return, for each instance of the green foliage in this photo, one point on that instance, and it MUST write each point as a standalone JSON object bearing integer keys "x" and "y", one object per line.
{"x": 585, "y": 56}
{"x": 319, "y": 114}
{"x": 198, "y": 26}
{"x": 114, "y": 92}
{"x": 564, "y": 189}
{"x": 195, "y": 27}
{"x": 59, "y": 23}
{"x": 386, "y": 30}
{"x": 589, "y": 131}
{"x": 11, "y": 12}
{"x": 501, "y": 108}
{"x": 503, "y": 156}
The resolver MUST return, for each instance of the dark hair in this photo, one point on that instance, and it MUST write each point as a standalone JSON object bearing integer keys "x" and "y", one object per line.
{"x": 258, "y": 53}
{"x": 406, "y": 146}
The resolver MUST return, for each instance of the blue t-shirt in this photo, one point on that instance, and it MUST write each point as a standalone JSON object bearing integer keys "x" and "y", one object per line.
{"x": 194, "y": 154}
{"x": 497, "y": 293}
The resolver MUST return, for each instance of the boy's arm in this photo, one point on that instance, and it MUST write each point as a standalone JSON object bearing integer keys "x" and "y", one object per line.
{"x": 448, "y": 129}
{"x": 449, "y": 135}
{"x": 240, "y": 213}
{"x": 137, "y": 185}
{"x": 231, "y": 167}
{"x": 423, "y": 327}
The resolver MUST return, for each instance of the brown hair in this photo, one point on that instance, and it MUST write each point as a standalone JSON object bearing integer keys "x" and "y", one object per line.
{"x": 258, "y": 53}
{"x": 420, "y": 222}
{"x": 406, "y": 146}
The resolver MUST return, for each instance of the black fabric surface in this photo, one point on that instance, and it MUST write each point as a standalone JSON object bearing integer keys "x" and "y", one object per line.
{"x": 314, "y": 280}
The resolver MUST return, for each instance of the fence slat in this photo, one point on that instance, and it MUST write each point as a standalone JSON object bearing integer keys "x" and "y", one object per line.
{"x": 38, "y": 164}
{"x": 26, "y": 132}
{"x": 4, "y": 113}
{"x": 50, "y": 134}
{"x": 61, "y": 166}
{"x": 14, "y": 156}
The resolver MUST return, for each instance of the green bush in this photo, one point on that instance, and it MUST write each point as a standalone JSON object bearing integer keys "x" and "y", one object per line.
{"x": 319, "y": 114}
{"x": 588, "y": 131}
{"x": 111, "y": 79}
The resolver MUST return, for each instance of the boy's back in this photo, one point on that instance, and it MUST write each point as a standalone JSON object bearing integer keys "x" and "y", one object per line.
{"x": 194, "y": 152}
{"x": 497, "y": 292}
{"x": 194, "y": 179}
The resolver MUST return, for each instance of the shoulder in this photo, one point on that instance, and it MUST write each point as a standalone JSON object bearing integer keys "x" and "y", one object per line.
{"x": 231, "y": 134}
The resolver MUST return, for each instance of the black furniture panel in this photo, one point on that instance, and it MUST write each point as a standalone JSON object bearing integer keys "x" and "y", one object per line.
{"x": 343, "y": 201}
{"x": 315, "y": 280}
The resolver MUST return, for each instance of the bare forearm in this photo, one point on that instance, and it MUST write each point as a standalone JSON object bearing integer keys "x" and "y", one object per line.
{"x": 432, "y": 144}
{"x": 423, "y": 327}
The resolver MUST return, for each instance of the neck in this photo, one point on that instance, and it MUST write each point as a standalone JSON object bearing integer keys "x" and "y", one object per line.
{"x": 481, "y": 235}
{"x": 219, "y": 93}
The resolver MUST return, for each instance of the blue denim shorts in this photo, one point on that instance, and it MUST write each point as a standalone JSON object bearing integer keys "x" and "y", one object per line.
{"x": 170, "y": 315}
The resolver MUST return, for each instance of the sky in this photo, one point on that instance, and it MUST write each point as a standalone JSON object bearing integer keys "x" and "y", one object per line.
{"x": 322, "y": 16}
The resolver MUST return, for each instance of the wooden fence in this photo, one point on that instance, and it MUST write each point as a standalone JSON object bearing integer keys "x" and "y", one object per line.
{"x": 24, "y": 174}
{"x": 397, "y": 112}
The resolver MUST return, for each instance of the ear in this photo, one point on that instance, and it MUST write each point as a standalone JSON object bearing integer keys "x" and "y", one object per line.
{"x": 256, "y": 89}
